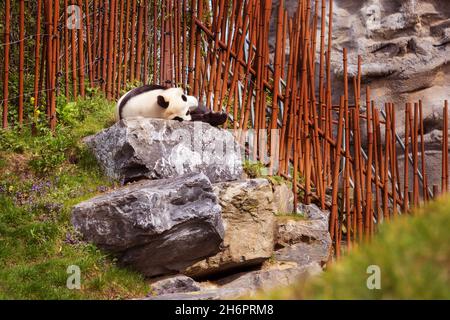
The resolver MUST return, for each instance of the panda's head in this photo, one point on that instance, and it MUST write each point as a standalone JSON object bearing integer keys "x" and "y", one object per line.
{"x": 178, "y": 105}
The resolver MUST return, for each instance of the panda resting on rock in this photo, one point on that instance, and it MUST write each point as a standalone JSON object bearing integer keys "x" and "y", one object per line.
{"x": 155, "y": 101}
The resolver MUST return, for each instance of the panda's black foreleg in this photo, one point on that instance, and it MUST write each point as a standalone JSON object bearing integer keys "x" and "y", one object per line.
{"x": 213, "y": 118}
{"x": 204, "y": 115}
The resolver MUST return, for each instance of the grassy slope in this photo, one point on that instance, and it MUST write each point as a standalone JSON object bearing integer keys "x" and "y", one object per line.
{"x": 41, "y": 178}
{"x": 413, "y": 254}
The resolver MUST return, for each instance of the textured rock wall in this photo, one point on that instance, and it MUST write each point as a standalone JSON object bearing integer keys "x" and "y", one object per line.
{"x": 405, "y": 45}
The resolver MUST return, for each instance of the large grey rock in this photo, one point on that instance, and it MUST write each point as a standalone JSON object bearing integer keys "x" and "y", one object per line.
{"x": 158, "y": 149}
{"x": 247, "y": 212}
{"x": 157, "y": 227}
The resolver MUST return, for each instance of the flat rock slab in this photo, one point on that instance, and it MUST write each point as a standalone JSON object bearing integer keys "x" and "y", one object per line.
{"x": 156, "y": 227}
{"x": 159, "y": 149}
{"x": 247, "y": 212}
{"x": 247, "y": 284}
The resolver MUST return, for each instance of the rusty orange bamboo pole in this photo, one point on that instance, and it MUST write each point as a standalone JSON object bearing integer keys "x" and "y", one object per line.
{"x": 387, "y": 138}
{"x": 394, "y": 163}
{"x": 37, "y": 58}
{"x": 445, "y": 149}
{"x": 132, "y": 41}
{"x": 406, "y": 160}
{"x": 239, "y": 48}
{"x": 336, "y": 169}
{"x": 74, "y": 61}
{"x": 21, "y": 57}
{"x": 316, "y": 145}
{"x": 357, "y": 164}
{"x": 111, "y": 49}
{"x": 127, "y": 48}
{"x": 192, "y": 46}
{"x": 146, "y": 44}
{"x": 416, "y": 156}
{"x": 66, "y": 50}
{"x": 138, "y": 66}
{"x": 348, "y": 214}
{"x": 155, "y": 41}
{"x": 306, "y": 114}
{"x": 115, "y": 52}
{"x": 377, "y": 173}
{"x": 277, "y": 76}
{"x": 6, "y": 63}
{"x": 232, "y": 38}
{"x": 368, "y": 207}
{"x": 81, "y": 54}
{"x": 89, "y": 44}
{"x": 121, "y": 48}
{"x": 422, "y": 151}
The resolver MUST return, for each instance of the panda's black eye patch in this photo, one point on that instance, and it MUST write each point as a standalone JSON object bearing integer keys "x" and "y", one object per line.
{"x": 178, "y": 119}
{"x": 184, "y": 98}
{"x": 188, "y": 113}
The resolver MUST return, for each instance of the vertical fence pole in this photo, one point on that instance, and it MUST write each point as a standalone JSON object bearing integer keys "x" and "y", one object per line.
{"x": 6, "y": 63}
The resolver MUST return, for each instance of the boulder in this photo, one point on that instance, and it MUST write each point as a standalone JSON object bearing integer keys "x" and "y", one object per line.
{"x": 160, "y": 149}
{"x": 304, "y": 239}
{"x": 247, "y": 212}
{"x": 173, "y": 284}
{"x": 156, "y": 227}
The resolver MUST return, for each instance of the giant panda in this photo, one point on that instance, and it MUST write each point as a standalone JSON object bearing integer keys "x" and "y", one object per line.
{"x": 156, "y": 101}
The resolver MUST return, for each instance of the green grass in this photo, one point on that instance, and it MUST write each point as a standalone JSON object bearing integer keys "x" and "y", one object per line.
{"x": 413, "y": 254}
{"x": 41, "y": 178}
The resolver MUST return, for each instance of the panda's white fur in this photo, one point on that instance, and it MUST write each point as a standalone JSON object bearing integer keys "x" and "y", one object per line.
{"x": 145, "y": 104}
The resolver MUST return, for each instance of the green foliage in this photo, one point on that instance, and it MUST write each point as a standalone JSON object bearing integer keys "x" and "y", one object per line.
{"x": 254, "y": 169}
{"x": 41, "y": 178}
{"x": 413, "y": 254}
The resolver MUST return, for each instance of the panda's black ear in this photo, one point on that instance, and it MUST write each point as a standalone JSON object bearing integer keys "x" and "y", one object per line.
{"x": 162, "y": 102}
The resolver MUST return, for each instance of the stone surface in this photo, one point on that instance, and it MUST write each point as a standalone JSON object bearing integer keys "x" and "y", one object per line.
{"x": 156, "y": 227}
{"x": 158, "y": 149}
{"x": 173, "y": 284}
{"x": 247, "y": 284}
{"x": 404, "y": 44}
{"x": 283, "y": 199}
{"x": 247, "y": 212}
{"x": 304, "y": 241}
{"x": 269, "y": 278}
